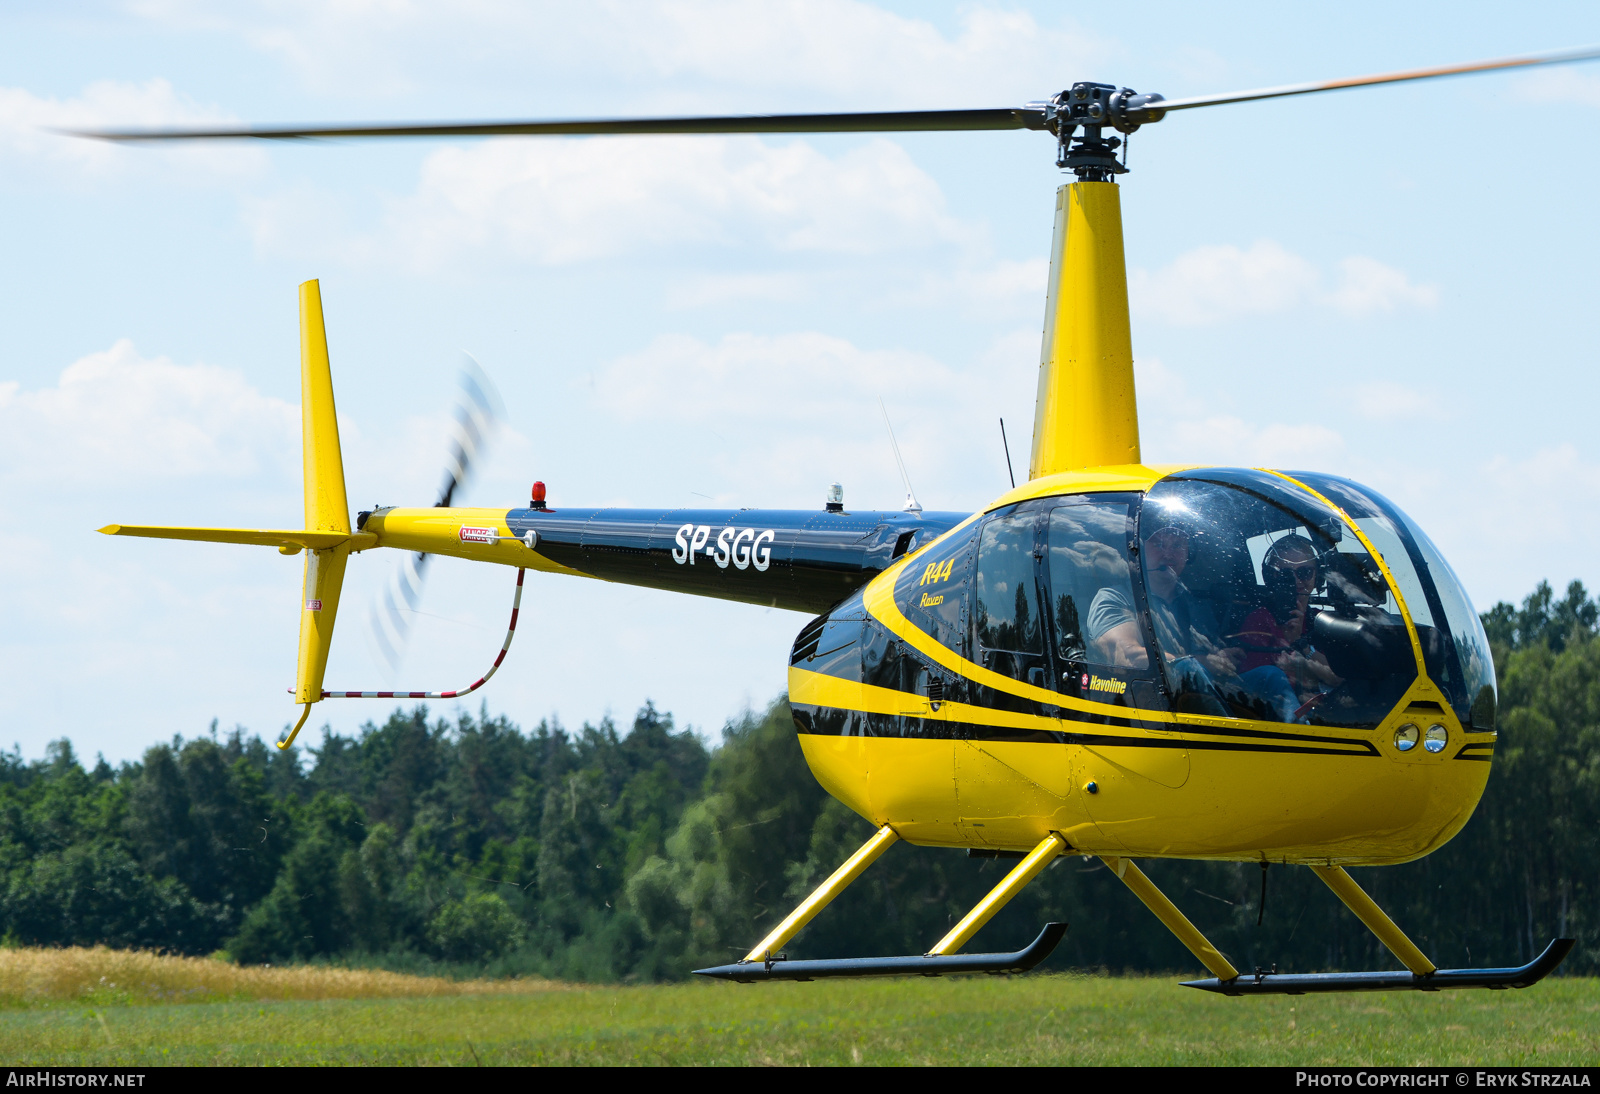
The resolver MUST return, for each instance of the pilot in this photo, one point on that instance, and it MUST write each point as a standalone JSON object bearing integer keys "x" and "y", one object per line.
{"x": 1198, "y": 664}
{"x": 1274, "y": 636}
{"x": 1185, "y": 627}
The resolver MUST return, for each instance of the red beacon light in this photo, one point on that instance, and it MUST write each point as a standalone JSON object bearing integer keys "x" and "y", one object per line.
{"x": 538, "y": 496}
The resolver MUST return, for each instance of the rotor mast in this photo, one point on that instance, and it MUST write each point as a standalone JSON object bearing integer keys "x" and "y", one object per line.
{"x": 1086, "y": 413}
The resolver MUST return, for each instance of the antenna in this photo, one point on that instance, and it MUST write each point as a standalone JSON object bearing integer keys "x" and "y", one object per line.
{"x": 1007, "y": 444}
{"x": 911, "y": 506}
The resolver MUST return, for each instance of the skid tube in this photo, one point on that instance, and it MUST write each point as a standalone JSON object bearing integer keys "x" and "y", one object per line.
{"x": 1400, "y": 980}
{"x": 781, "y": 968}
{"x": 760, "y": 964}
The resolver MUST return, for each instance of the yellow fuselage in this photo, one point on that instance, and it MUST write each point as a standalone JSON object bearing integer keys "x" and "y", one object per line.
{"x": 1163, "y": 784}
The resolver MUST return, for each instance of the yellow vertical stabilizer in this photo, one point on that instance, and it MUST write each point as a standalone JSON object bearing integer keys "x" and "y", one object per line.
{"x": 326, "y": 539}
{"x": 1086, "y": 415}
{"x": 326, "y": 507}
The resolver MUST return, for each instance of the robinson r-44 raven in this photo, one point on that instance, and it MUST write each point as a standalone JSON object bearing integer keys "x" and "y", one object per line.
{"x": 1111, "y": 659}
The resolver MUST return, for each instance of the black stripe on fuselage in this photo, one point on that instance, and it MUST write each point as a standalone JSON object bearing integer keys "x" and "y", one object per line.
{"x": 964, "y": 689}
{"x": 840, "y": 722}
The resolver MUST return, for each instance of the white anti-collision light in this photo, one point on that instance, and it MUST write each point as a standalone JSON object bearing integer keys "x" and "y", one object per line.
{"x": 1436, "y": 738}
{"x": 1405, "y": 738}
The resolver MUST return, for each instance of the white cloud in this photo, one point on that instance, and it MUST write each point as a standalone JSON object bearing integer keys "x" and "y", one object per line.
{"x": 1161, "y": 388}
{"x": 789, "y": 379}
{"x": 1212, "y": 283}
{"x": 975, "y": 286}
{"x": 1366, "y": 286}
{"x": 565, "y": 201}
{"x": 1216, "y": 283}
{"x": 1509, "y": 522}
{"x": 770, "y": 419}
{"x": 839, "y": 49}
{"x": 28, "y": 125}
{"x": 1005, "y": 286}
{"x": 1561, "y": 85}
{"x": 1232, "y": 442}
{"x": 117, "y": 417}
{"x": 1552, "y": 496}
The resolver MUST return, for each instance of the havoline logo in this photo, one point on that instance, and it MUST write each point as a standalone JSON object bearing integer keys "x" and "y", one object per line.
{"x": 1101, "y": 683}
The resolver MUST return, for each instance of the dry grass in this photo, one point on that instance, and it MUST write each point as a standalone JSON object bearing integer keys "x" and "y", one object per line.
{"x": 31, "y": 977}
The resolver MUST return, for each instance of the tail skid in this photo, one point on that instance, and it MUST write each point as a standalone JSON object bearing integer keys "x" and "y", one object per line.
{"x": 505, "y": 648}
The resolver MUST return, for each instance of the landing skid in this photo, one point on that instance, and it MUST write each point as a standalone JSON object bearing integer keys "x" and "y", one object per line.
{"x": 749, "y": 972}
{"x": 1421, "y": 974}
{"x": 1438, "y": 980}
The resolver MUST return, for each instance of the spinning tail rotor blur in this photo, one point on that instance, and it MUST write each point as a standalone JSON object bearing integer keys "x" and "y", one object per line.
{"x": 477, "y": 414}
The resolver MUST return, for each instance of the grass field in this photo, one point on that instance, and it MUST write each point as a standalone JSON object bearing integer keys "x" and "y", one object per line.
{"x": 57, "y": 1010}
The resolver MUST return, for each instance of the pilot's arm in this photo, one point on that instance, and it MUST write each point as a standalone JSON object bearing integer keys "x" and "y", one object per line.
{"x": 1123, "y": 647}
{"x": 1114, "y": 631}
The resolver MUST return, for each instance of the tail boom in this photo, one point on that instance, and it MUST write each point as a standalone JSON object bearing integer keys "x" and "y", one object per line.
{"x": 802, "y": 560}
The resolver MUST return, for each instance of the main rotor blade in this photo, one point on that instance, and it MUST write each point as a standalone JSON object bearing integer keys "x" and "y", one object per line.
{"x": 899, "y": 121}
{"x": 1563, "y": 57}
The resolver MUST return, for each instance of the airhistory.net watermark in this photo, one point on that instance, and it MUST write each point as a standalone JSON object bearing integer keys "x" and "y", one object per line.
{"x": 71, "y": 1077}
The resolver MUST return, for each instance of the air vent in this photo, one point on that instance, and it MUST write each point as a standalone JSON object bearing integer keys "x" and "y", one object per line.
{"x": 806, "y": 644}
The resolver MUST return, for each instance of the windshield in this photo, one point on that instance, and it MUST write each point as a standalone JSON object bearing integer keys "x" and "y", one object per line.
{"x": 1454, "y": 645}
{"x": 1262, "y": 607}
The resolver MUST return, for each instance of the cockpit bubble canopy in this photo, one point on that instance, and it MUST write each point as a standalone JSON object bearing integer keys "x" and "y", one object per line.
{"x": 1264, "y": 606}
{"x": 1456, "y": 649}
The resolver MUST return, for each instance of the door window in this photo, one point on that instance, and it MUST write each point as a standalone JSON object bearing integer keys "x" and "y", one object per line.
{"x": 1008, "y": 628}
{"x": 1091, "y": 597}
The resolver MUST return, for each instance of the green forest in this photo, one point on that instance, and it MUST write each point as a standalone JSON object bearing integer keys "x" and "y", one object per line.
{"x": 472, "y": 846}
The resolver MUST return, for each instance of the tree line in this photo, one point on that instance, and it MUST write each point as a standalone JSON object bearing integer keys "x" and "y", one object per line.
{"x": 468, "y": 844}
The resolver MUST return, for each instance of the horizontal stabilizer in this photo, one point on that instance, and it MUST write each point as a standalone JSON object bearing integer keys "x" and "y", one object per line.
{"x": 747, "y": 972}
{"x": 261, "y": 537}
{"x": 1290, "y": 984}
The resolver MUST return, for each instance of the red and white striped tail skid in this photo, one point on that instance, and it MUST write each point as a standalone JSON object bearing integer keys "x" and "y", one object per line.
{"x": 511, "y": 631}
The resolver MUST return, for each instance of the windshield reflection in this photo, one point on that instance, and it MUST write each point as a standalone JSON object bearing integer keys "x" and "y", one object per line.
{"x": 1454, "y": 646}
{"x": 1260, "y": 606}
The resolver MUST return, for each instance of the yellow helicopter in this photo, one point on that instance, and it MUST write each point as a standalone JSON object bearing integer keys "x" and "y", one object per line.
{"x": 1111, "y": 659}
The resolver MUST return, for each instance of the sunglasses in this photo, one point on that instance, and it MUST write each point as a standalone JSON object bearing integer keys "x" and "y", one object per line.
{"x": 1306, "y": 571}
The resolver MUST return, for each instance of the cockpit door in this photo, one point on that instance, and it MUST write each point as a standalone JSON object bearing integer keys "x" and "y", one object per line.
{"x": 1101, "y": 648}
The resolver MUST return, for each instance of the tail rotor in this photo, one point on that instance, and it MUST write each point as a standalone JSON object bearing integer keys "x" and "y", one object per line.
{"x": 477, "y": 414}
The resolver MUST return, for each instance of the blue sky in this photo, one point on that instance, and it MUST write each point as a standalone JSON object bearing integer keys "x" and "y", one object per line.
{"x": 1393, "y": 284}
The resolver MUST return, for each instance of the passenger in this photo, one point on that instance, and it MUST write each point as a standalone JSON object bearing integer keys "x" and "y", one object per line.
{"x": 1274, "y": 636}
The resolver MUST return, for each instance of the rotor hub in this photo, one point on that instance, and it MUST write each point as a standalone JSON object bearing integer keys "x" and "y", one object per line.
{"x": 1092, "y": 108}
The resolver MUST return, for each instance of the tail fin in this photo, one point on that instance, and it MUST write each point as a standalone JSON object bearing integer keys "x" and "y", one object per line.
{"x": 326, "y": 539}
{"x": 326, "y": 507}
